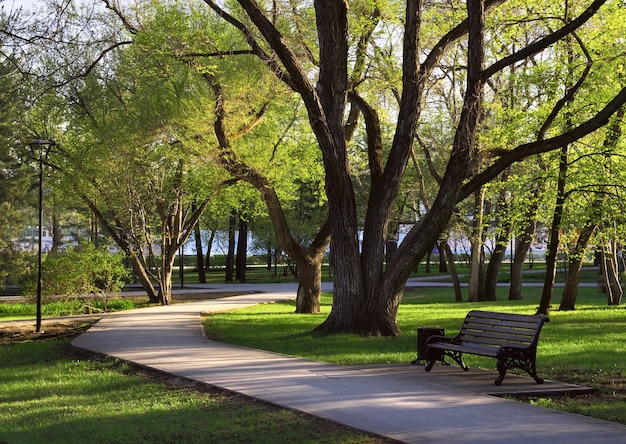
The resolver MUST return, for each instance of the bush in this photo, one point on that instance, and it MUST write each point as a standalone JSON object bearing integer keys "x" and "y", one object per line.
{"x": 85, "y": 273}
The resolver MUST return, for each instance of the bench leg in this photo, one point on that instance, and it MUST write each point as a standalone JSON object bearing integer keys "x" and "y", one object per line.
{"x": 526, "y": 364}
{"x": 439, "y": 355}
{"x": 458, "y": 357}
{"x": 501, "y": 371}
{"x": 532, "y": 372}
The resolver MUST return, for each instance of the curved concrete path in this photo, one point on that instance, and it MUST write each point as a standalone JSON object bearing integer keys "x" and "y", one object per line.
{"x": 170, "y": 339}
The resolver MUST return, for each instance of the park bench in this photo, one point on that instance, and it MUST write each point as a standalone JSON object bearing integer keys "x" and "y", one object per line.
{"x": 510, "y": 338}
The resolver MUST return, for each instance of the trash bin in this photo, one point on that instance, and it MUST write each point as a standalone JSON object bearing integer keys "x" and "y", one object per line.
{"x": 423, "y": 333}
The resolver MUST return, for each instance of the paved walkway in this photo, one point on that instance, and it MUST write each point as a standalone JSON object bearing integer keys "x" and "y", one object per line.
{"x": 408, "y": 409}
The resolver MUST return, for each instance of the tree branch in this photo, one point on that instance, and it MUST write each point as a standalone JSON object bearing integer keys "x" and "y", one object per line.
{"x": 544, "y": 146}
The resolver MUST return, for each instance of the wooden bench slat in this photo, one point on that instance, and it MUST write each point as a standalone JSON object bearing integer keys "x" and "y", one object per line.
{"x": 501, "y": 323}
{"x": 469, "y": 329}
{"x": 502, "y": 316}
{"x": 500, "y": 342}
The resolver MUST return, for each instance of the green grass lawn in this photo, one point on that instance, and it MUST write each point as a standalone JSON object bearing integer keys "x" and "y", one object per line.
{"x": 47, "y": 395}
{"x": 27, "y": 310}
{"x": 585, "y": 346}
{"x": 51, "y": 394}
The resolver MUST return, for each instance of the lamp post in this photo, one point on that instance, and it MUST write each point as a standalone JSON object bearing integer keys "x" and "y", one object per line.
{"x": 40, "y": 144}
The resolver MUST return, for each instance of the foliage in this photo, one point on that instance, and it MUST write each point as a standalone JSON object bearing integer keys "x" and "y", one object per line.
{"x": 16, "y": 179}
{"x": 83, "y": 271}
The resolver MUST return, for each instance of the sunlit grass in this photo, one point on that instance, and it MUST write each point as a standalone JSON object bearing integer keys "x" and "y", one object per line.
{"x": 571, "y": 338}
{"x": 69, "y": 307}
{"x": 589, "y": 342}
{"x": 47, "y": 396}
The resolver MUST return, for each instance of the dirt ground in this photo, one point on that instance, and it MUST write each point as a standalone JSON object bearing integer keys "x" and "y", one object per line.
{"x": 22, "y": 331}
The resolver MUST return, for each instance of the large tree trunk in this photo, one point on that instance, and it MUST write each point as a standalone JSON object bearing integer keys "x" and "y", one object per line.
{"x": 328, "y": 99}
{"x": 309, "y": 285}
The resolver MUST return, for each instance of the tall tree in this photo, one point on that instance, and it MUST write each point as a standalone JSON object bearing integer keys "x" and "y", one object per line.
{"x": 367, "y": 294}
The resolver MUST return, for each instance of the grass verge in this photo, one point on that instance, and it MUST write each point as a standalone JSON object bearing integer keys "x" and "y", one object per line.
{"x": 49, "y": 392}
{"x": 586, "y": 346}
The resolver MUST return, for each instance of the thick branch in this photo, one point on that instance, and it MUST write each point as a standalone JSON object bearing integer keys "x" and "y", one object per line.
{"x": 544, "y": 146}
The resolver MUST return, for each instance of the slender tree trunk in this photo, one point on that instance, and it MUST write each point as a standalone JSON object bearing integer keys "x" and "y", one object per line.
{"x": 443, "y": 266}
{"x": 140, "y": 271}
{"x": 474, "y": 291}
{"x": 576, "y": 256}
{"x": 93, "y": 230}
{"x": 209, "y": 247}
{"x": 230, "y": 256}
{"x": 199, "y": 255}
{"x": 456, "y": 284}
{"x": 553, "y": 244}
{"x": 242, "y": 251}
{"x": 495, "y": 264}
{"x": 522, "y": 246}
{"x": 57, "y": 233}
{"x": 610, "y": 273}
{"x": 166, "y": 273}
{"x": 503, "y": 232}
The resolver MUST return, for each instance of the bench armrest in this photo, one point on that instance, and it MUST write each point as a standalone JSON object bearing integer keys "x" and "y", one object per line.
{"x": 438, "y": 338}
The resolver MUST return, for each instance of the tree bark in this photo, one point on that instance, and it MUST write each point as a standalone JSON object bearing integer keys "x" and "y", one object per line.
{"x": 553, "y": 243}
{"x": 242, "y": 251}
{"x": 57, "y": 233}
{"x": 475, "y": 289}
{"x": 456, "y": 284}
{"x": 493, "y": 267}
{"x": 576, "y": 257}
{"x": 230, "y": 256}
{"x": 503, "y": 232}
{"x": 207, "y": 262}
{"x": 524, "y": 240}
{"x": 610, "y": 273}
{"x": 443, "y": 265}
{"x": 199, "y": 253}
